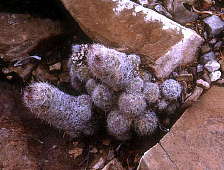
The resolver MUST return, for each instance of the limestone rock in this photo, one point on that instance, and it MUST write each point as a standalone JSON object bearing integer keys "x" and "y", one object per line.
{"x": 195, "y": 141}
{"x": 162, "y": 43}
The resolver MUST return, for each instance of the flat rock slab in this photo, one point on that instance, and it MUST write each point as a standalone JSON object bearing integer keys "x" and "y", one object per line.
{"x": 196, "y": 140}
{"x": 21, "y": 33}
{"x": 162, "y": 43}
{"x": 14, "y": 153}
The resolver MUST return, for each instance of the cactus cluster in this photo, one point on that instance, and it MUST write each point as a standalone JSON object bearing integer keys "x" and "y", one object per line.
{"x": 115, "y": 84}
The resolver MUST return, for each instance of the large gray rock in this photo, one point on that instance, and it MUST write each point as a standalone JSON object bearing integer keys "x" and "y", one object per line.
{"x": 162, "y": 43}
{"x": 196, "y": 140}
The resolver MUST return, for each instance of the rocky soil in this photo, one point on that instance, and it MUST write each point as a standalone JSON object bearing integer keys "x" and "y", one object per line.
{"x": 36, "y": 44}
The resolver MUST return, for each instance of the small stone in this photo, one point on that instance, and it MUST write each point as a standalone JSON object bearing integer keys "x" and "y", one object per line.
{"x": 160, "y": 9}
{"x": 213, "y": 41}
{"x": 55, "y": 67}
{"x": 110, "y": 155}
{"x": 203, "y": 84}
{"x": 200, "y": 68}
{"x": 143, "y": 2}
{"x": 214, "y": 76}
{"x": 9, "y": 77}
{"x": 212, "y": 66}
{"x": 93, "y": 150}
{"x": 215, "y": 24}
{"x": 113, "y": 165}
{"x": 106, "y": 142}
{"x": 75, "y": 152}
{"x": 207, "y": 57}
{"x": 99, "y": 164}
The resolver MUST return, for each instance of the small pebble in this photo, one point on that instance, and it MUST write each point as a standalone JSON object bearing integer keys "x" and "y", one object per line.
{"x": 75, "y": 152}
{"x": 200, "y": 68}
{"x": 93, "y": 150}
{"x": 214, "y": 76}
{"x": 143, "y": 2}
{"x": 213, "y": 41}
{"x": 215, "y": 24}
{"x": 203, "y": 84}
{"x": 55, "y": 67}
{"x": 99, "y": 164}
{"x": 212, "y": 66}
{"x": 207, "y": 57}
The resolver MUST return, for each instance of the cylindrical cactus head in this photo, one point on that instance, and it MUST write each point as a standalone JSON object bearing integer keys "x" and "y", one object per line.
{"x": 132, "y": 104}
{"x": 171, "y": 89}
{"x": 37, "y": 94}
{"x": 112, "y": 67}
{"x": 119, "y": 125}
{"x": 146, "y": 124}
{"x": 102, "y": 97}
{"x": 69, "y": 113}
{"x": 135, "y": 85}
{"x": 151, "y": 92}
